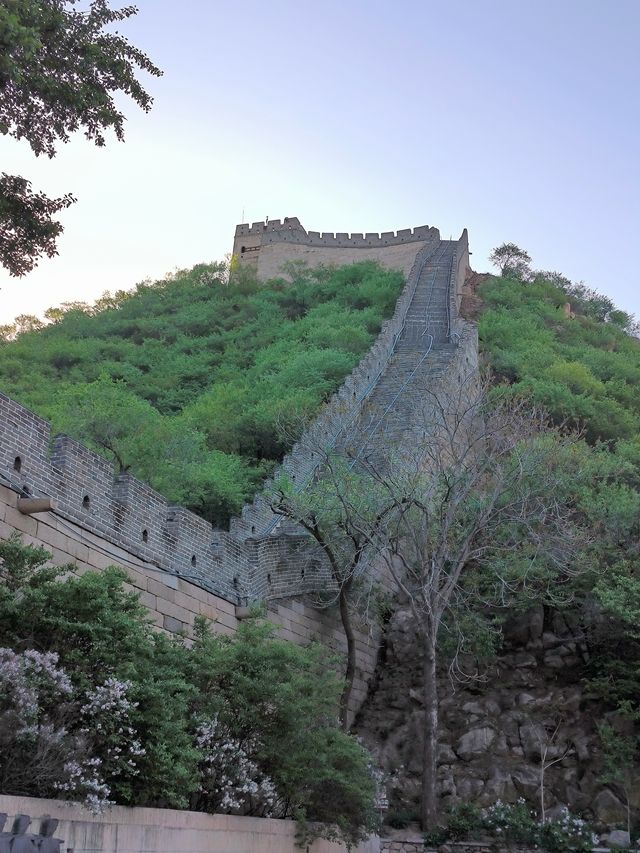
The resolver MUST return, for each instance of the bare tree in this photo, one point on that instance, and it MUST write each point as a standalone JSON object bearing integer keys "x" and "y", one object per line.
{"x": 478, "y": 513}
{"x": 546, "y": 740}
{"x": 471, "y": 512}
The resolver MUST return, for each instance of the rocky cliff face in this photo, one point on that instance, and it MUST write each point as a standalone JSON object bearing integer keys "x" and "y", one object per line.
{"x": 528, "y": 713}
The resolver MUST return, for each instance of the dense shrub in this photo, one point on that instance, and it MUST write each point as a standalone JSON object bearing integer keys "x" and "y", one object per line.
{"x": 514, "y": 824}
{"x": 96, "y": 706}
{"x": 583, "y": 370}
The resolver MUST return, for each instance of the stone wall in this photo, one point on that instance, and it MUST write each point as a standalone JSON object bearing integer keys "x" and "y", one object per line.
{"x": 121, "y": 510}
{"x": 269, "y": 245}
{"x": 145, "y": 830}
{"x": 532, "y": 696}
{"x": 273, "y": 256}
{"x": 180, "y": 565}
{"x": 338, "y": 415}
{"x": 173, "y": 602}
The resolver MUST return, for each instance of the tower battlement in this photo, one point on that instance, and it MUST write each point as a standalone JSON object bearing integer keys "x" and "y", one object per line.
{"x": 269, "y": 244}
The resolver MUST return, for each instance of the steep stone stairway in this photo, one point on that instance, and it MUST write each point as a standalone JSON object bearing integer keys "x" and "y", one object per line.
{"x": 422, "y": 356}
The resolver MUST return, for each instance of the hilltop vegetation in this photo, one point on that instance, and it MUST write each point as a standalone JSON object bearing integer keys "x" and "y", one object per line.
{"x": 584, "y": 368}
{"x": 189, "y": 382}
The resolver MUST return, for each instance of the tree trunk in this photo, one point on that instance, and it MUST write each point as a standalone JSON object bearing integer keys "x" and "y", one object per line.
{"x": 429, "y": 814}
{"x": 350, "y": 671}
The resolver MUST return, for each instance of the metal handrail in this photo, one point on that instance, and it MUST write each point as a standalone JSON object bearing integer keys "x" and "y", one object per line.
{"x": 455, "y": 256}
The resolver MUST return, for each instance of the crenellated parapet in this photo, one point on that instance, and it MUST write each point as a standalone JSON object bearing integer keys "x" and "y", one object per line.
{"x": 250, "y": 238}
{"x": 118, "y": 508}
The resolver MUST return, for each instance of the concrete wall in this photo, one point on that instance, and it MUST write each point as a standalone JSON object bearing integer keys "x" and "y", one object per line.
{"x": 142, "y": 830}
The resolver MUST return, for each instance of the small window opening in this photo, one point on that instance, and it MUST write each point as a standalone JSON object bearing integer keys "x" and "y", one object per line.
{"x": 86, "y": 502}
{"x": 236, "y": 582}
{"x": 269, "y": 577}
{"x": 253, "y": 528}
{"x": 193, "y": 560}
{"x": 17, "y": 464}
{"x": 145, "y": 535}
{"x": 302, "y": 574}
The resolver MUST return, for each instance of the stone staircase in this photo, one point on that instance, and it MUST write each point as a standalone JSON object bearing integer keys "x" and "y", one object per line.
{"x": 422, "y": 357}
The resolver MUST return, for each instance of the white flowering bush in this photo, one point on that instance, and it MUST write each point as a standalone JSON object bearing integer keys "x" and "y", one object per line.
{"x": 35, "y": 742}
{"x": 230, "y": 781}
{"x": 29, "y": 681}
{"x": 510, "y": 821}
{"x": 111, "y": 711}
{"x": 567, "y": 832}
{"x": 516, "y": 823}
{"x": 106, "y": 724}
{"x": 112, "y": 748}
{"x": 83, "y": 782}
{"x": 51, "y": 744}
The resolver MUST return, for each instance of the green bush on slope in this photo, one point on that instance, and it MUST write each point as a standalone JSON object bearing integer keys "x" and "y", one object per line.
{"x": 191, "y": 382}
{"x": 582, "y": 370}
{"x": 272, "y": 704}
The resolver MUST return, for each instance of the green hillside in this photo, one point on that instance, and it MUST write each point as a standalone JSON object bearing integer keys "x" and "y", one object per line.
{"x": 192, "y": 382}
{"x": 583, "y": 368}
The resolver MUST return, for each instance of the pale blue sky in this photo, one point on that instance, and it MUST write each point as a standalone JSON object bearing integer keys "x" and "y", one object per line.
{"x": 519, "y": 120}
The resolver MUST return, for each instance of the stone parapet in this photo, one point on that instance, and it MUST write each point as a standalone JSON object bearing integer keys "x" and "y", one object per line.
{"x": 291, "y": 231}
{"x": 120, "y": 509}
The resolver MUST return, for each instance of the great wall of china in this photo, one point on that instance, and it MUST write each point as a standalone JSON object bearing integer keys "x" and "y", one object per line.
{"x": 180, "y": 565}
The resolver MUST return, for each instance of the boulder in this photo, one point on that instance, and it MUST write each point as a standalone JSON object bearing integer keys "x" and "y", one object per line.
{"x": 617, "y": 838}
{"x": 475, "y": 742}
{"x": 608, "y": 808}
{"x": 445, "y": 754}
{"x": 474, "y": 708}
{"x": 526, "y": 781}
{"x": 531, "y": 738}
{"x": 499, "y": 786}
{"x": 525, "y": 660}
{"x": 469, "y": 788}
{"x": 524, "y": 627}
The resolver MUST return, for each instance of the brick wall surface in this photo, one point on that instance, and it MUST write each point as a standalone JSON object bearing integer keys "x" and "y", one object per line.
{"x": 174, "y": 602}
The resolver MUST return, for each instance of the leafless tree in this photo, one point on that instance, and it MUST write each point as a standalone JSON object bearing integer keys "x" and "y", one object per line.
{"x": 482, "y": 514}
{"x": 471, "y": 511}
